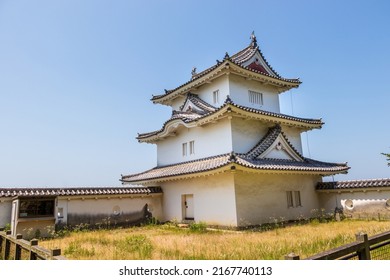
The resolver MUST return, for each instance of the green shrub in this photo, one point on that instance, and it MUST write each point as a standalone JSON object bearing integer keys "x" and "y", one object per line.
{"x": 138, "y": 245}
{"x": 198, "y": 227}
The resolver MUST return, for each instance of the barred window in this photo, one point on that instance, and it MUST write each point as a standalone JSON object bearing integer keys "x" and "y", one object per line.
{"x": 255, "y": 97}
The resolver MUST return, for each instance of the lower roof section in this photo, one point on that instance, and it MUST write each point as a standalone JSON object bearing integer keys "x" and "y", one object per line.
{"x": 232, "y": 161}
{"x": 354, "y": 185}
{"x": 77, "y": 191}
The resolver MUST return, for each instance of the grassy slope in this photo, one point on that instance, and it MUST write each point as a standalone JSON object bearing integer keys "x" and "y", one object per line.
{"x": 168, "y": 242}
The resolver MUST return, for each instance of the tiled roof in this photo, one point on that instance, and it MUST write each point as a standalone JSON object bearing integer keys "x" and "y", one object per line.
{"x": 268, "y": 139}
{"x": 249, "y": 160}
{"x": 84, "y": 191}
{"x": 202, "y": 105}
{"x": 239, "y": 160}
{"x": 317, "y": 122}
{"x": 308, "y": 165}
{"x": 192, "y": 116}
{"x": 246, "y": 54}
{"x": 354, "y": 184}
{"x": 237, "y": 59}
{"x": 185, "y": 168}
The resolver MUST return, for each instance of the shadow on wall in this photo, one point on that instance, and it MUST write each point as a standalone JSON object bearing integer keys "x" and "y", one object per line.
{"x": 115, "y": 219}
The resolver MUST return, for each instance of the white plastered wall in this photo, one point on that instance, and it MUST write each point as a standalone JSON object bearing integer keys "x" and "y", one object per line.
{"x": 239, "y": 93}
{"x": 294, "y": 137}
{"x": 214, "y": 199}
{"x": 261, "y": 198}
{"x": 246, "y": 134}
{"x": 205, "y": 92}
{"x": 91, "y": 208}
{"x": 369, "y": 203}
{"x": 210, "y": 140}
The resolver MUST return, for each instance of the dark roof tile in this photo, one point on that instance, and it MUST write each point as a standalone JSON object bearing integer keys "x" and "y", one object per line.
{"x": 86, "y": 191}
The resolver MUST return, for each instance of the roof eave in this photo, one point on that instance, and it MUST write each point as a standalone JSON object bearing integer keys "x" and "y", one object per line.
{"x": 226, "y": 67}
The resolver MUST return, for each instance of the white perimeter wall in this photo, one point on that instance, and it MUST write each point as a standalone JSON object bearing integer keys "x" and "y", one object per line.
{"x": 214, "y": 199}
{"x": 89, "y": 206}
{"x": 365, "y": 204}
{"x": 210, "y": 140}
{"x": 5, "y": 212}
{"x": 262, "y": 198}
{"x": 239, "y": 94}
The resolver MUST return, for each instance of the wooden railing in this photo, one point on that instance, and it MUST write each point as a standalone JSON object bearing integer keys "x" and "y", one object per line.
{"x": 16, "y": 248}
{"x": 376, "y": 247}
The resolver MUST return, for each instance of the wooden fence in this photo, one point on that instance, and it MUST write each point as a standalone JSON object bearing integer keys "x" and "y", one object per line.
{"x": 376, "y": 247}
{"x": 16, "y": 248}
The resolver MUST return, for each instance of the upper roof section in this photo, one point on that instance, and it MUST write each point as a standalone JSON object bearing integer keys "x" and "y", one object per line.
{"x": 196, "y": 112}
{"x": 249, "y": 63}
{"x": 272, "y": 154}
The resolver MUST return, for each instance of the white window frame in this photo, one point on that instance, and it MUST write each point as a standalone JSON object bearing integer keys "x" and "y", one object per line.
{"x": 216, "y": 96}
{"x": 255, "y": 97}
{"x": 192, "y": 147}
{"x": 184, "y": 150}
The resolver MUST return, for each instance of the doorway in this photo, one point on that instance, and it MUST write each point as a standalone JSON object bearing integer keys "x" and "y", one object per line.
{"x": 188, "y": 206}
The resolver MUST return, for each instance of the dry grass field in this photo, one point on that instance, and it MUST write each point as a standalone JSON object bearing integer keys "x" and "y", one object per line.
{"x": 169, "y": 242}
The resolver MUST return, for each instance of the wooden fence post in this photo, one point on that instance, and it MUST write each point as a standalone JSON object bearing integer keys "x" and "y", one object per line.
{"x": 1, "y": 242}
{"x": 55, "y": 252}
{"x": 7, "y": 246}
{"x": 291, "y": 256}
{"x": 18, "y": 248}
{"x": 364, "y": 253}
{"x": 33, "y": 242}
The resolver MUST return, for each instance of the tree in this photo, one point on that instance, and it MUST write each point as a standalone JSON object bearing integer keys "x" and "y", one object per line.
{"x": 388, "y": 158}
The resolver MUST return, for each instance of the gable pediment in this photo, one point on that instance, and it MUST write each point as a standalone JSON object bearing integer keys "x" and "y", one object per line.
{"x": 258, "y": 63}
{"x": 280, "y": 149}
{"x": 196, "y": 105}
{"x": 275, "y": 145}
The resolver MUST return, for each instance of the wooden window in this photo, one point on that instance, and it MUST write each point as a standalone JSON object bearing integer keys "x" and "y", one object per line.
{"x": 36, "y": 207}
{"x": 255, "y": 97}
{"x": 290, "y": 202}
{"x": 297, "y": 198}
{"x": 192, "y": 147}
{"x": 184, "y": 149}
{"x": 293, "y": 199}
{"x": 216, "y": 97}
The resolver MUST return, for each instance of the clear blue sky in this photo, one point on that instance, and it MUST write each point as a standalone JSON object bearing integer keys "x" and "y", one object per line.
{"x": 76, "y": 78}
